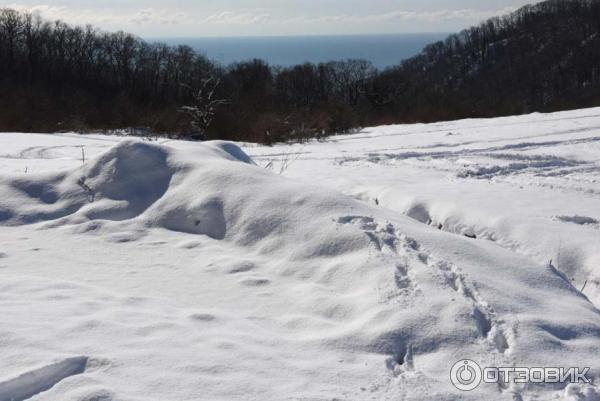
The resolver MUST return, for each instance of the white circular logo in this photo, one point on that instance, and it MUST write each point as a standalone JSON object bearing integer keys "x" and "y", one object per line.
{"x": 466, "y": 375}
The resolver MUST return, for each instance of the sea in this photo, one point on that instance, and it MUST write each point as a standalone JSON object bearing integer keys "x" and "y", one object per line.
{"x": 382, "y": 50}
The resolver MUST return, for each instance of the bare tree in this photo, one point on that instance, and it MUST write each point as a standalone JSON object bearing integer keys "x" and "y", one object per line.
{"x": 204, "y": 108}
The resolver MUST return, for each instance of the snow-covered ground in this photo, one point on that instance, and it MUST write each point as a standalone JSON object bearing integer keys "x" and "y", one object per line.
{"x": 358, "y": 268}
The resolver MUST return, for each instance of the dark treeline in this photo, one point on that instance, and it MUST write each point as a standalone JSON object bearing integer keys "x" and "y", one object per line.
{"x": 544, "y": 57}
{"x": 57, "y": 77}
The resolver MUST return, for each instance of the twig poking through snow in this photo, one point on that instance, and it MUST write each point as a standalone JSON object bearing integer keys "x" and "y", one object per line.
{"x": 88, "y": 190}
{"x": 286, "y": 160}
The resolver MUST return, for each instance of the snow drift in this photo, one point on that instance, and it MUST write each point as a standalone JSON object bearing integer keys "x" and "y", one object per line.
{"x": 397, "y": 301}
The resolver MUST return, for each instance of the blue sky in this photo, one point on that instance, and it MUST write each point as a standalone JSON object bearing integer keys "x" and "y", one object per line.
{"x": 154, "y": 18}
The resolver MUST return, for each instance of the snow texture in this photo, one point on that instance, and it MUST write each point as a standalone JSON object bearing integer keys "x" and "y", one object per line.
{"x": 172, "y": 270}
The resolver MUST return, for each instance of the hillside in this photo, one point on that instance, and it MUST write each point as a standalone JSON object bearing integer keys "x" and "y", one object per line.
{"x": 57, "y": 77}
{"x": 174, "y": 270}
{"x": 544, "y": 57}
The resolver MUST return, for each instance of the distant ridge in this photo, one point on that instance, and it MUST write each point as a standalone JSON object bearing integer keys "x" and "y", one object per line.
{"x": 543, "y": 57}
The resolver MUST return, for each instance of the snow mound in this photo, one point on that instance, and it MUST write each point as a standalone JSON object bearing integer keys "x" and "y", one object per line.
{"x": 121, "y": 184}
{"x": 215, "y": 191}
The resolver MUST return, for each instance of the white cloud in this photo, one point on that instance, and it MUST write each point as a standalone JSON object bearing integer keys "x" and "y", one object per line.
{"x": 148, "y": 16}
{"x": 244, "y": 18}
{"x": 151, "y": 16}
{"x": 255, "y": 21}
{"x": 402, "y": 15}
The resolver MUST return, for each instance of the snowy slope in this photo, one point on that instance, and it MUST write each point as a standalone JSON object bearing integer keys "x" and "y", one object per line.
{"x": 531, "y": 183}
{"x": 172, "y": 270}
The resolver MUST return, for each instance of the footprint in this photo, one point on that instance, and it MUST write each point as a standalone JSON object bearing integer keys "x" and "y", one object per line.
{"x": 203, "y": 317}
{"x": 241, "y": 268}
{"x": 484, "y": 325}
{"x": 125, "y": 237}
{"x": 501, "y": 341}
{"x": 402, "y": 279}
{"x": 382, "y": 236}
{"x": 484, "y": 317}
{"x": 190, "y": 245}
{"x": 362, "y": 221}
{"x": 579, "y": 220}
{"x": 255, "y": 282}
{"x": 403, "y": 249}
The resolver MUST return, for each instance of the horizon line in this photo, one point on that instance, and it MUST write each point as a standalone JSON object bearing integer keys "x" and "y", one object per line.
{"x": 293, "y": 35}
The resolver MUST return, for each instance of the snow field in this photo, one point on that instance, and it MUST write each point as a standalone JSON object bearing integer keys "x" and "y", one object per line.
{"x": 185, "y": 271}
